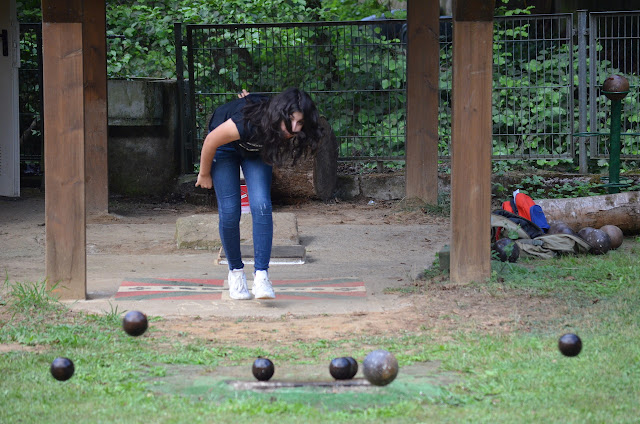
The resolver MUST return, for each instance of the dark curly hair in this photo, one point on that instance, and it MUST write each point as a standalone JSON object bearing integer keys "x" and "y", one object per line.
{"x": 265, "y": 117}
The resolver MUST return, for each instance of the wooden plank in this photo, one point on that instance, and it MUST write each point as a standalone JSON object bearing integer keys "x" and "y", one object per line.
{"x": 471, "y": 152}
{"x": 64, "y": 159}
{"x": 423, "y": 53}
{"x": 95, "y": 106}
{"x": 473, "y": 10}
{"x": 61, "y": 11}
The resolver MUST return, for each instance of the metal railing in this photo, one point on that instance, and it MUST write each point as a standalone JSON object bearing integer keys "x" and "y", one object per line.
{"x": 614, "y": 48}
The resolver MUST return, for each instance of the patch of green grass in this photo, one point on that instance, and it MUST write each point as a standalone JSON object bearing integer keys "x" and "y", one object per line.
{"x": 500, "y": 377}
{"x": 577, "y": 276}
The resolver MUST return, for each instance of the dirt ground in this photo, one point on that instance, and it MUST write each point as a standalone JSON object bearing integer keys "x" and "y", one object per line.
{"x": 412, "y": 305}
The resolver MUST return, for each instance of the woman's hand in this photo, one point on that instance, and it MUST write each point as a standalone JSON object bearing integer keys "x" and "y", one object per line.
{"x": 204, "y": 181}
{"x": 244, "y": 93}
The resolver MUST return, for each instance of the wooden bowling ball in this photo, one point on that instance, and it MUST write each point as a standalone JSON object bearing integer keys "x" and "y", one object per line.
{"x": 340, "y": 368}
{"x": 582, "y": 233}
{"x": 570, "y": 344}
{"x": 262, "y": 369}
{"x": 354, "y": 366}
{"x": 599, "y": 241}
{"x": 615, "y": 87}
{"x": 615, "y": 234}
{"x": 135, "y": 323}
{"x": 380, "y": 367}
{"x": 506, "y": 250}
{"x": 560, "y": 227}
{"x": 62, "y": 368}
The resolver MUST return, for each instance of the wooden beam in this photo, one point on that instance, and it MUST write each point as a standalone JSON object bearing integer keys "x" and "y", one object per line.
{"x": 95, "y": 106}
{"x": 471, "y": 139}
{"x": 423, "y": 54}
{"x": 64, "y": 158}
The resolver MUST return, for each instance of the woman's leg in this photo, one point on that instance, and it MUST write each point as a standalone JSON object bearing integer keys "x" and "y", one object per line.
{"x": 257, "y": 174}
{"x": 225, "y": 173}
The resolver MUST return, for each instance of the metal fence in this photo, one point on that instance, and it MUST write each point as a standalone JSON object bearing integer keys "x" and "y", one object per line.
{"x": 356, "y": 71}
{"x": 614, "y": 48}
{"x": 547, "y": 77}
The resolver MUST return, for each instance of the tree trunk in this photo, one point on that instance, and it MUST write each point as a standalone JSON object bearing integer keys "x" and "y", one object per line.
{"x": 312, "y": 177}
{"x": 621, "y": 210}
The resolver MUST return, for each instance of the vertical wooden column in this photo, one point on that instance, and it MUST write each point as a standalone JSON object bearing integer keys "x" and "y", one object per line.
{"x": 64, "y": 147}
{"x": 471, "y": 140}
{"x": 423, "y": 54}
{"x": 95, "y": 106}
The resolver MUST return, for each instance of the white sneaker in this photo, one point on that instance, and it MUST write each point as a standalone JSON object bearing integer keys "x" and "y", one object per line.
{"x": 238, "y": 289}
{"x": 262, "y": 288}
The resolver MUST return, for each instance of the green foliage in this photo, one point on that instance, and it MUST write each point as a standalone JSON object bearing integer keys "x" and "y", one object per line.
{"x": 350, "y": 10}
{"x": 360, "y": 74}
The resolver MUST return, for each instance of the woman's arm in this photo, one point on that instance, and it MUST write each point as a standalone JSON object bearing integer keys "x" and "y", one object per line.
{"x": 222, "y": 134}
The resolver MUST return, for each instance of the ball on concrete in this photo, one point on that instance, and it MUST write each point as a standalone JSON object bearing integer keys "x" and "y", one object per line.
{"x": 599, "y": 241}
{"x": 135, "y": 323}
{"x": 353, "y": 367}
{"x": 262, "y": 369}
{"x": 506, "y": 250}
{"x": 62, "y": 369}
{"x": 615, "y": 234}
{"x": 615, "y": 87}
{"x": 380, "y": 367}
{"x": 340, "y": 369}
{"x": 570, "y": 344}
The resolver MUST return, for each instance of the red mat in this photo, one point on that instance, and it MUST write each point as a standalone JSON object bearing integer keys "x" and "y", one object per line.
{"x": 201, "y": 289}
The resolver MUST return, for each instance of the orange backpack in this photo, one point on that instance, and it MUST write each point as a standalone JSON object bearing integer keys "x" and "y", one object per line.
{"x": 524, "y": 206}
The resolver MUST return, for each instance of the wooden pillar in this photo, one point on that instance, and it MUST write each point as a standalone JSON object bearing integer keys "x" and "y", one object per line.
{"x": 95, "y": 106}
{"x": 423, "y": 54}
{"x": 64, "y": 127}
{"x": 471, "y": 140}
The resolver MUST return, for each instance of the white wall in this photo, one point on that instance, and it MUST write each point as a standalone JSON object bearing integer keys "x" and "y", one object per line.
{"x": 9, "y": 126}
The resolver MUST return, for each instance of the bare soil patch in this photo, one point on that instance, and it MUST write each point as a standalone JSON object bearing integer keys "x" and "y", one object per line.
{"x": 437, "y": 311}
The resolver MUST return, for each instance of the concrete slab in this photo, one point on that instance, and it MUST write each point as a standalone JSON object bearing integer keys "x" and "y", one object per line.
{"x": 341, "y": 241}
{"x": 201, "y": 231}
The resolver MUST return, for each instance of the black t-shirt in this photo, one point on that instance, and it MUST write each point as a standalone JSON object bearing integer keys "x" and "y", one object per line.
{"x": 234, "y": 111}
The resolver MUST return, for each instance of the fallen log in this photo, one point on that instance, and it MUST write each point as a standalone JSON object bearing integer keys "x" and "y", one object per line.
{"x": 312, "y": 177}
{"x": 620, "y": 209}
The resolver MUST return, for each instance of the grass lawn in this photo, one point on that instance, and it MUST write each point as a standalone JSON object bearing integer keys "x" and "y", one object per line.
{"x": 475, "y": 376}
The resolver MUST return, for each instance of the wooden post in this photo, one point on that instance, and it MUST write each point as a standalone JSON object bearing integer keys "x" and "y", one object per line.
{"x": 423, "y": 54}
{"x": 95, "y": 106}
{"x": 64, "y": 127}
{"x": 471, "y": 140}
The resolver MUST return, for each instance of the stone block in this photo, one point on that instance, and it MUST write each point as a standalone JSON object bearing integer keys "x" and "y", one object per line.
{"x": 383, "y": 187}
{"x": 201, "y": 231}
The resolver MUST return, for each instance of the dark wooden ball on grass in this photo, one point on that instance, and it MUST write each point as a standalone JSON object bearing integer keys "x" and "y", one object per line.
{"x": 262, "y": 369}
{"x": 584, "y": 232}
{"x": 62, "y": 369}
{"x": 353, "y": 366}
{"x": 506, "y": 250}
{"x": 599, "y": 241}
{"x": 615, "y": 234}
{"x": 560, "y": 227}
{"x": 380, "y": 367}
{"x": 135, "y": 323}
{"x": 340, "y": 368}
{"x": 570, "y": 344}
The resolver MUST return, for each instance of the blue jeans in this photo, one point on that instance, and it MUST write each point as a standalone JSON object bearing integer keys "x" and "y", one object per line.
{"x": 225, "y": 173}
